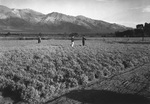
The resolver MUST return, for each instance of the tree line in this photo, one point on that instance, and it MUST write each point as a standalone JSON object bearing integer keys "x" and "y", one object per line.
{"x": 140, "y": 31}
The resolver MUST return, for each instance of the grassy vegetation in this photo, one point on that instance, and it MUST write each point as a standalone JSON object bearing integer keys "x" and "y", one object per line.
{"x": 37, "y": 73}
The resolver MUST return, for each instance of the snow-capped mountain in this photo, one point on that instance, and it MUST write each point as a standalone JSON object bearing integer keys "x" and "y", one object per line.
{"x": 6, "y": 12}
{"x": 30, "y": 20}
{"x": 28, "y": 15}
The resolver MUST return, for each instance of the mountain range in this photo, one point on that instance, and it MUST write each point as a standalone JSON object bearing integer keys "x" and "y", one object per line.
{"x": 28, "y": 20}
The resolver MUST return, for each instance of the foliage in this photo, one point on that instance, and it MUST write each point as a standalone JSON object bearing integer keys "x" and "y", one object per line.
{"x": 38, "y": 74}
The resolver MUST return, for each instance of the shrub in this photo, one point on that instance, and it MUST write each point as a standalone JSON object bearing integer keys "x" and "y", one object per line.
{"x": 30, "y": 94}
{"x": 83, "y": 79}
{"x": 39, "y": 73}
{"x": 91, "y": 76}
{"x": 106, "y": 72}
{"x": 71, "y": 82}
{"x": 98, "y": 74}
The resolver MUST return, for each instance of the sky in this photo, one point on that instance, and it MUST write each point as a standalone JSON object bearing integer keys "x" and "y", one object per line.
{"x": 124, "y": 12}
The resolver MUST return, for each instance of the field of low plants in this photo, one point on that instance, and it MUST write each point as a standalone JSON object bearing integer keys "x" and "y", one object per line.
{"x": 36, "y": 73}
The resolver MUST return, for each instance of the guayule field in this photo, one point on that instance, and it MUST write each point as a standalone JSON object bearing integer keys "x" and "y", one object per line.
{"x": 52, "y": 71}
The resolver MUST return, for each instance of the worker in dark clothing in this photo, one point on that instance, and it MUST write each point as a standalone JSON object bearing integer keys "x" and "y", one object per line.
{"x": 39, "y": 39}
{"x": 83, "y": 40}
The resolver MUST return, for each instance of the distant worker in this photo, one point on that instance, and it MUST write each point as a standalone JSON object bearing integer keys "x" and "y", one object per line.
{"x": 72, "y": 41}
{"x": 8, "y": 34}
{"x": 39, "y": 39}
{"x": 83, "y": 40}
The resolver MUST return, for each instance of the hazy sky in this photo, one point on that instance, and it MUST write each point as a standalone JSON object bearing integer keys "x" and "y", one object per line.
{"x": 125, "y": 12}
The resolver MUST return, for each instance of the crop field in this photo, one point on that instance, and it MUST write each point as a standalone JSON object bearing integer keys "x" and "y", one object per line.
{"x": 8, "y": 43}
{"x": 53, "y": 72}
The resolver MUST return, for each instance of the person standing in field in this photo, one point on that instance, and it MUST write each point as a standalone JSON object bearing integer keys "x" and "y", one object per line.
{"x": 72, "y": 41}
{"x": 39, "y": 39}
{"x": 83, "y": 40}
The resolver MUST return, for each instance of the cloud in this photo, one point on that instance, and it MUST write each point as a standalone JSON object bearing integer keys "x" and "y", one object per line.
{"x": 146, "y": 9}
{"x": 136, "y": 8}
{"x": 106, "y": 0}
{"x": 100, "y": 0}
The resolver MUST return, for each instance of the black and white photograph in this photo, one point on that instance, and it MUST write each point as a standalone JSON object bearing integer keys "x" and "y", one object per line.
{"x": 74, "y": 51}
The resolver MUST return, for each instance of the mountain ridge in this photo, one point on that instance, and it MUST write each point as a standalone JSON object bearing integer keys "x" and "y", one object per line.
{"x": 30, "y": 20}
